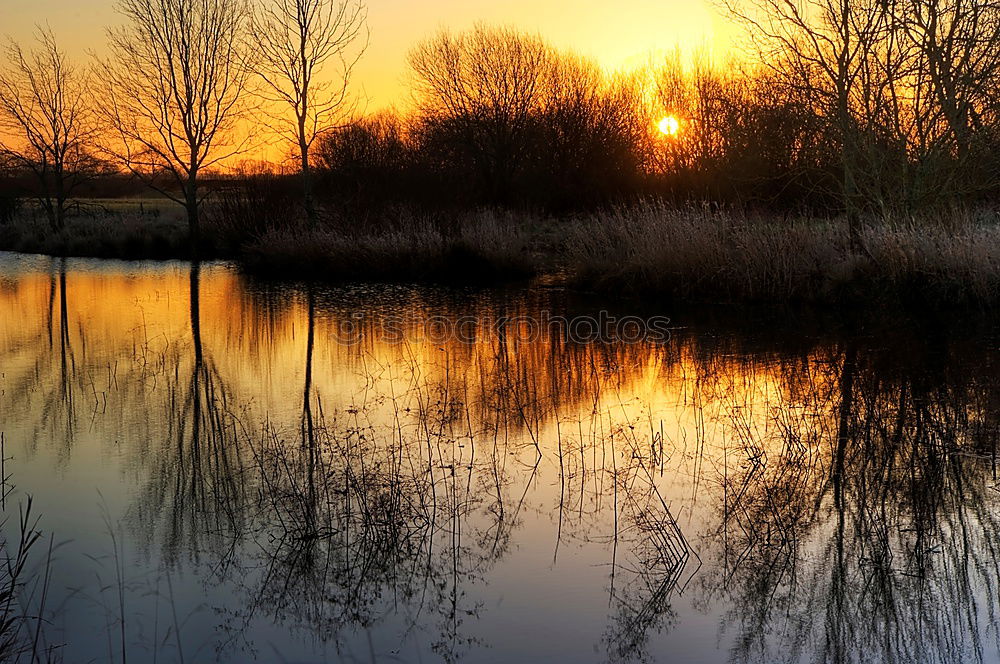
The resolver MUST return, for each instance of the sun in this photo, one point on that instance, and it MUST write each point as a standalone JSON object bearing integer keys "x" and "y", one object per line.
{"x": 669, "y": 126}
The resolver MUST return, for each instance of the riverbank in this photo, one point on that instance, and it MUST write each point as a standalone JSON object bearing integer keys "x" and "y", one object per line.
{"x": 698, "y": 255}
{"x": 645, "y": 251}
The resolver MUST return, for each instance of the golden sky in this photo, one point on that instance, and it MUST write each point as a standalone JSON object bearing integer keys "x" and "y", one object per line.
{"x": 617, "y": 33}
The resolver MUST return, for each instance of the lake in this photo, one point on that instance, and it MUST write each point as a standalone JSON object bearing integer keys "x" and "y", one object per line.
{"x": 230, "y": 470}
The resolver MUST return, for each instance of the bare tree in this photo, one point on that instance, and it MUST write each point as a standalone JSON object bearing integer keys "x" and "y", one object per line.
{"x": 483, "y": 87}
{"x": 307, "y": 53}
{"x": 954, "y": 74}
{"x": 835, "y": 51}
{"x": 174, "y": 91}
{"x": 45, "y": 113}
{"x": 374, "y": 142}
{"x": 693, "y": 94}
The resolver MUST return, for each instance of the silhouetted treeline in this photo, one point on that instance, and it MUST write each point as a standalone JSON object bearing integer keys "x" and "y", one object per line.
{"x": 503, "y": 118}
{"x": 878, "y": 110}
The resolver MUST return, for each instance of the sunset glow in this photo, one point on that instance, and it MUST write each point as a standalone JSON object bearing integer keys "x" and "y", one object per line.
{"x": 521, "y": 331}
{"x": 623, "y": 37}
{"x": 618, "y": 36}
{"x": 669, "y": 125}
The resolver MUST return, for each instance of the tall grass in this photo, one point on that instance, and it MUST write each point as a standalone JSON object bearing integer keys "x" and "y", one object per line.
{"x": 124, "y": 235}
{"x": 701, "y": 254}
{"x": 24, "y": 591}
{"x": 696, "y": 254}
{"x": 482, "y": 246}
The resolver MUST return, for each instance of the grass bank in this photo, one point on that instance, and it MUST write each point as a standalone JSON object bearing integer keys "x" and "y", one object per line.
{"x": 125, "y": 235}
{"x": 481, "y": 247}
{"x": 699, "y": 255}
{"x": 651, "y": 250}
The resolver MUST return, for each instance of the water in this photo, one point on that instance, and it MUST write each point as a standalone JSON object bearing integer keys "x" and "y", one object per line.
{"x": 230, "y": 471}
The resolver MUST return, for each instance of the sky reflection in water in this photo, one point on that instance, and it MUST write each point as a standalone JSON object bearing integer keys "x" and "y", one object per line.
{"x": 216, "y": 464}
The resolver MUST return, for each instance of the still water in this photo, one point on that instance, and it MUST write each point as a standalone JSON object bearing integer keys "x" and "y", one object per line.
{"x": 223, "y": 470}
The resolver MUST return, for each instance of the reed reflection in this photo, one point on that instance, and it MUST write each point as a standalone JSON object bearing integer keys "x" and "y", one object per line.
{"x": 829, "y": 496}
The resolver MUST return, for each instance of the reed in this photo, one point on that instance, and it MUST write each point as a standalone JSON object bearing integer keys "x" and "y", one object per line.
{"x": 698, "y": 254}
{"x": 481, "y": 246}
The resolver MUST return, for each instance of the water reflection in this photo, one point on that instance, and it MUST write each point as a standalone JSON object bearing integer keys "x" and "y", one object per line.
{"x": 865, "y": 529}
{"x": 743, "y": 492}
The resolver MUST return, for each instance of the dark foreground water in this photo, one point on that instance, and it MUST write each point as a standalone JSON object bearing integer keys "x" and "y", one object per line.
{"x": 231, "y": 472}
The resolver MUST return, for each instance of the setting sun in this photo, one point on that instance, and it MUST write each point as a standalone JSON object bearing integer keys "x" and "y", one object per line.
{"x": 669, "y": 126}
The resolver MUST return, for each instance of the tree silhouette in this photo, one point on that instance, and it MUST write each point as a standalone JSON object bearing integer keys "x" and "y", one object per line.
{"x": 308, "y": 49}
{"x": 45, "y": 108}
{"x": 173, "y": 91}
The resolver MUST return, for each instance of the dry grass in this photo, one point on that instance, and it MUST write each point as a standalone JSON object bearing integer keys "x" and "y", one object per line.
{"x": 691, "y": 254}
{"x": 484, "y": 246}
{"x": 697, "y": 254}
{"x": 116, "y": 235}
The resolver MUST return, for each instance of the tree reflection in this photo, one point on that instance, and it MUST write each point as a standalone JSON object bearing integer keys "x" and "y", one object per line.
{"x": 40, "y": 363}
{"x": 865, "y": 532}
{"x": 833, "y": 496}
{"x": 196, "y": 480}
{"x": 368, "y": 522}
{"x": 850, "y": 482}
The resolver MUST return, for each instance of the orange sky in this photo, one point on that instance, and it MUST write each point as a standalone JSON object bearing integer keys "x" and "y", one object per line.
{"x": 617, "y": 34}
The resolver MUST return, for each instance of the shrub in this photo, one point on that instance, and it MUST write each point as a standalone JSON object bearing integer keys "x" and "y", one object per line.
{"x": 10, "y": 206}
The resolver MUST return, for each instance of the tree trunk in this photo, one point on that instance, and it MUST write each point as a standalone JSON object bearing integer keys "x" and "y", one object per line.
{"x": 48, "y": 200}
{"x": 50, "y": 213}
{"x": 191, "y": 205}
{"x": 60, "y": 216}
{"x": 307, "y": 185}
{"x": 849, "y": 160}
{"x": 851, "y": 204}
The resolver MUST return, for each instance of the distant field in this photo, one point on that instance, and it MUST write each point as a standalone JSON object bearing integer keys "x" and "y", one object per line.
{"x": 139, "y": 206}
{"x": 132, "y": 204}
